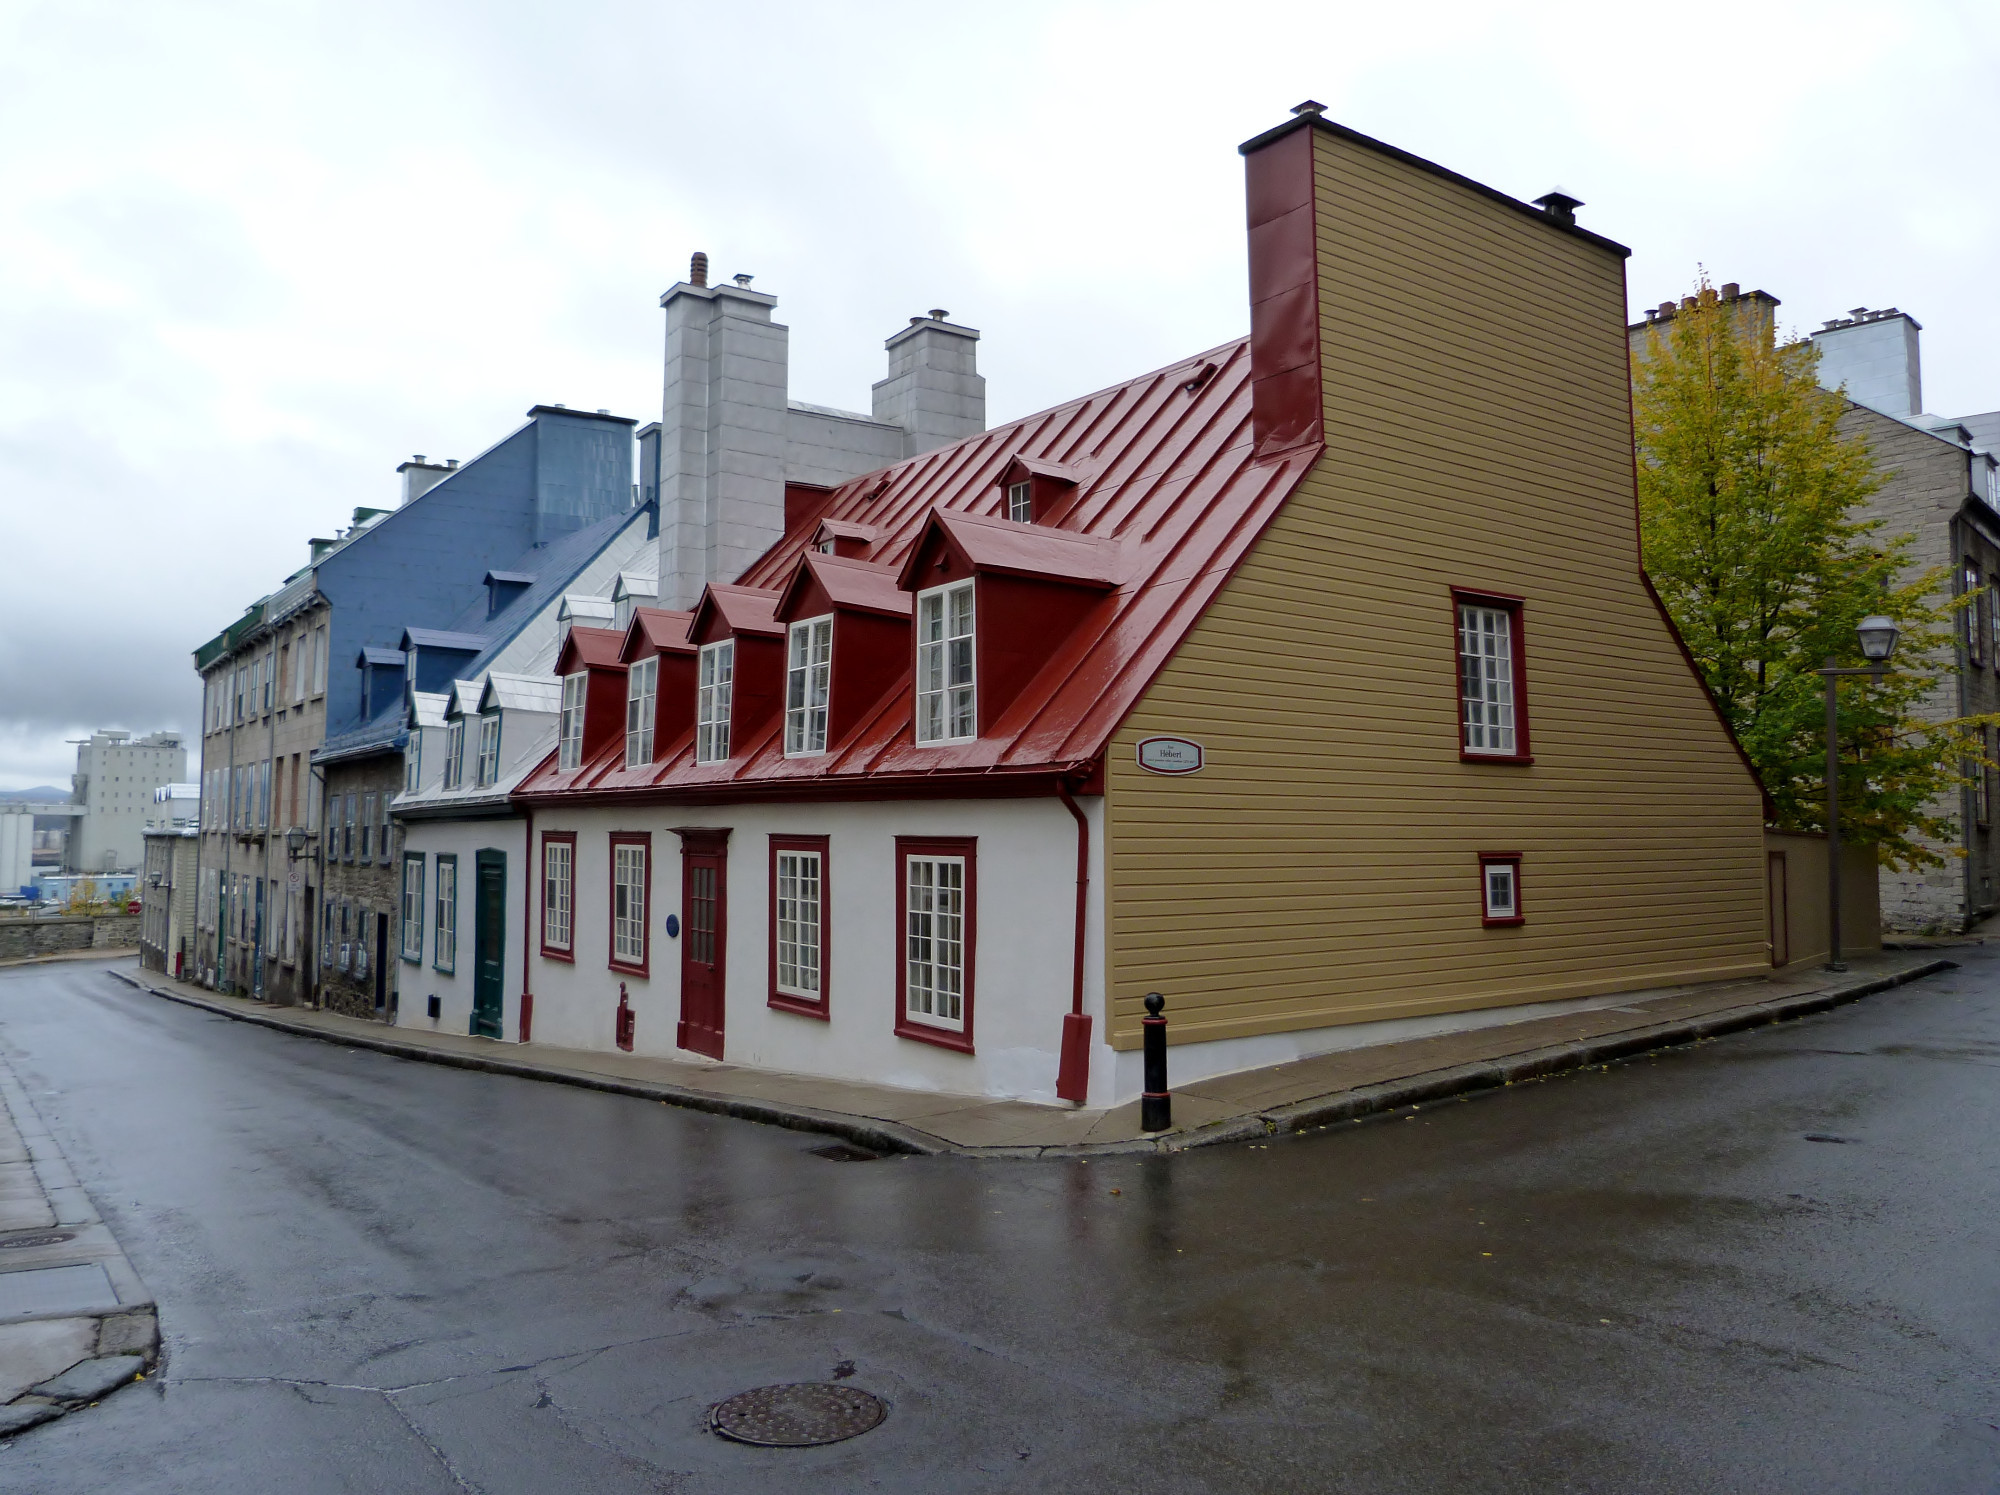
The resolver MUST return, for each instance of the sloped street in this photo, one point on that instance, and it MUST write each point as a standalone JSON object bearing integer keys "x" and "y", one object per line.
{"x": 1761, "y": 1263}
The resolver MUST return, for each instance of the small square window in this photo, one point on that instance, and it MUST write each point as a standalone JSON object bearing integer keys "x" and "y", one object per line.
{"x": 1021, "y": 502}
{"x": 1500, "y": 887}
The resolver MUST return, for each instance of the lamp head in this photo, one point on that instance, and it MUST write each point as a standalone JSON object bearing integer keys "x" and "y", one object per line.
{"x": 1878, "y": 638}
{"x": 295, "y": 841}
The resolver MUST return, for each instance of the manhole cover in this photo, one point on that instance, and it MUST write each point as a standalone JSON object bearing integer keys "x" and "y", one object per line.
{"x": 47, "y": 1238}
{"x": 845, "y": 1152}
{"x": 797, "y": 1416}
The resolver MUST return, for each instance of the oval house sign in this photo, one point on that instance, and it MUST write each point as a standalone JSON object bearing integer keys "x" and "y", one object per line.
{"x": 1170, "y": 755}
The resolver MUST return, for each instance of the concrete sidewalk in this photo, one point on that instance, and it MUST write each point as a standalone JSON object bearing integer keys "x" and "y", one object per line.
{"x": 76, "y": 1323}
{"x": 1254, "y": 1103}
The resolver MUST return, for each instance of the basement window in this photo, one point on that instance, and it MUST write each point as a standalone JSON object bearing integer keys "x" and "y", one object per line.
{"x": 1500, "y": 887}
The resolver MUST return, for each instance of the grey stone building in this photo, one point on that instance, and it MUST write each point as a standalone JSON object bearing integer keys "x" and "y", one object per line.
{"x": 167, "y": 898}
{"x": 1942, "y": 488}
{"x": 357, "y": 954}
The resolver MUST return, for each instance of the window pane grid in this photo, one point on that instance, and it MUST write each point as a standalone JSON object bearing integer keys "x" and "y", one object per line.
{"x": 808, "y": 683}
{"x": 628, "y": 923}
{"x": 413, "y": 908}
{"x": 570, "y": 752}
{"x": 701, "y": 915}
{"x": 935, "y": 940}
{"x": 445, "y": 946}
{"x": 1486, "y": 665}
{"x": 945, "y": 665}
{"x": 641, "y": 687}
{"x": 798, "y": 917}
{"x": 557, "y": 867}
{"x": 489, "y": 750}
{"x": 717, "y": 673}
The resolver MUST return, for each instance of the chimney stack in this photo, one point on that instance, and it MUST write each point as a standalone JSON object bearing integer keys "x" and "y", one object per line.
{"x": 1876, "y": 357}
{"x": 420, "y": 475}
{"x": 934, "y": 391}
{"x": 721, "y": 453}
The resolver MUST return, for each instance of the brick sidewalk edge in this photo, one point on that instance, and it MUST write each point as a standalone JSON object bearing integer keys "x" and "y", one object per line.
{"x": 1316, "y": 1111}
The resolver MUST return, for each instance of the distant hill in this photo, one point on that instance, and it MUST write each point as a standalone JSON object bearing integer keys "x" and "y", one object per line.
{"x": 45, "y": 794}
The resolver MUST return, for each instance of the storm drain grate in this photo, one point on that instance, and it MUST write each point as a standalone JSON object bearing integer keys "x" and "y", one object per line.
{"x": 845, "y": 1152}
{"x": 797, "y": 1416}
{"x": 46, "y": 1238}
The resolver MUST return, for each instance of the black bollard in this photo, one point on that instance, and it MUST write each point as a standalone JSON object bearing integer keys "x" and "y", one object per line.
{"x": 1156, "y": 1106}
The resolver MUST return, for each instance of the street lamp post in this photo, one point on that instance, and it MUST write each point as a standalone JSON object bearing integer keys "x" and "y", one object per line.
{"x": 1878, "y": 642}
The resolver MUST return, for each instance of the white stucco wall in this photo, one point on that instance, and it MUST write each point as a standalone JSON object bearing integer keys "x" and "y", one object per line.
{"x": 1025, "y": 887}
{"x": 417, "y": 980}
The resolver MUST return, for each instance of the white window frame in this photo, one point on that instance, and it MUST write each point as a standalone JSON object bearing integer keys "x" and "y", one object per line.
{"x": 444, "y": 946}
{"x": 489, "y": 749}
{"x": 1021, "y": 502}
{"x": 1487, "y": 722}
{"x": 558, "y": 895}
{"x": 628, "y": 903}
{"x": 575, "y": 696}
{"x": 454, "y": 752}
{"x": 1500, "y": 889}
{"x": 808, "y": 685}
{"x": 413, "y": 762}
{"x": 715, "y": 685}
{"x": 800, "y": 919}
{"x": 641, "y": 689}
{"x": 947, "y": 708}
{"x": 929, "y": 931}
{"x": 413, "y": 906}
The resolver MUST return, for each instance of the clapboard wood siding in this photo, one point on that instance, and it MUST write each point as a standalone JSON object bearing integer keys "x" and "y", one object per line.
{"x": 1322, "y": 868}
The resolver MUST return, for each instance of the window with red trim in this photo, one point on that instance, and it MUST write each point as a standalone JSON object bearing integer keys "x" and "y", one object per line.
{"x": 1500, "y": 887}
{"x": 631, "y": 898}
{"x": 1492, "y": 678}
{"x": 936, "y": 921}
{"x": 800, "y": 928}
{"x": 559, "y": 894}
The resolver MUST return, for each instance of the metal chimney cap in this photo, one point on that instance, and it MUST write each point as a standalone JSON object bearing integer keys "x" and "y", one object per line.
{"x": 939, "y": 314}
{"x": 698, "y": 269}
{"x": 1559, "y": 205}
{"x": 743, "y": 281}
{"x": 1311, "y": 108}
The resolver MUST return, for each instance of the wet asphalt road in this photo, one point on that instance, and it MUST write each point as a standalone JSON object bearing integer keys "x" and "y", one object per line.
{"x": 375, "y": 1275}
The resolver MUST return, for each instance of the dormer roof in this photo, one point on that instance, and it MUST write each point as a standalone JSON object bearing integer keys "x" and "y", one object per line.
{"x": 859, "y": 586}
{"x": 985, "y": 542}
{"x": 843, "y": 529}
{"x": 590, "y": 648}
{"x": 741, "y": 610}
{"x": 541, "y": 693}
{"x": 426, "y": 709}
{"x": 438, "y": 638}
{"x": 1038, "y": 467}
{"x": 656, "y": 630}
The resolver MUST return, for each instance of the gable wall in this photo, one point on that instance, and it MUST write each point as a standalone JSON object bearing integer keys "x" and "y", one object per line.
{"x": 1322, "y": 868}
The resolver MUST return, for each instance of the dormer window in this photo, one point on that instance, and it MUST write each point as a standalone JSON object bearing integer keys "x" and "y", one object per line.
{"x": 641, "y": 691}
{"x": 454, "y": 753}
{"x": 945, "y": 707}
{"x": 569, "y": 750}
{"x": 716, "y": 677}
{"x": 413, "y": 762}
{"x": 489, "y": 749}
{"x": 808, "y": 678}
{"x": 621, "y": 614}
{"x": 1021, "y": 502}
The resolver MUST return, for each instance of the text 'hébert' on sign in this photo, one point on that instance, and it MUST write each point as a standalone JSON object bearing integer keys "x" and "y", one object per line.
{"x": 1170, "y": 755}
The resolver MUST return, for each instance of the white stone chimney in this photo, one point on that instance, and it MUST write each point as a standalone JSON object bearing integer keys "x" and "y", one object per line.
{"x": 420, "y": 475}
{"x": 1874, "y": 354}
{"x": 722, "y": 433}
{"x": 934, "y": 391}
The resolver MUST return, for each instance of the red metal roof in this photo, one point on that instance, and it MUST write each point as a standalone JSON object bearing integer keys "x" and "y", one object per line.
{"x": 860, "y": 585}
{"x": 989, "y": 543}
{"x": 744, "y": 609}
{"x": 1166, "y": 490}
{"x": 589, "y": 647}
{"x": 657, "y": 630}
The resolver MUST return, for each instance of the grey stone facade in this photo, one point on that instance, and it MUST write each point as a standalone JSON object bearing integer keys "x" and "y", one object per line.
{"x": 358, "y": 910}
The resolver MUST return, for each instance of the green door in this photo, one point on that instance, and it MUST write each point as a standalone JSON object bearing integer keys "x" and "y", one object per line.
{"x": 489, "y": 943}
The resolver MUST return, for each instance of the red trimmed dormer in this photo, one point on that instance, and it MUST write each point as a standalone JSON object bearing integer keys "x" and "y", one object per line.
{"x": 660, "y": 633}
{"x": 1032, "y": 586}
{"x": 1033, "y": 488}
{"x": 871, "y": 633}
{"x": 844, "y": 538}
{"x": 739, "y": 669}
{"x": 593, "y": 708}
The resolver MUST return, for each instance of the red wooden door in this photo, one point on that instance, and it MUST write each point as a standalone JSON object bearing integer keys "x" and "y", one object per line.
{"x": 704, "y": 940}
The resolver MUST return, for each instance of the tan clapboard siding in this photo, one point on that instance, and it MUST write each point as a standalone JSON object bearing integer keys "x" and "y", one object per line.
{"x": 1323, "y": 867}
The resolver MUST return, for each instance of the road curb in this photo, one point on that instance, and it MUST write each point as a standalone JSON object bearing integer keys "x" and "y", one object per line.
{"x": 1316, "y": 1111}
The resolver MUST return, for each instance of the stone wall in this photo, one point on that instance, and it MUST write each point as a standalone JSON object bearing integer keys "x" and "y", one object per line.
{"x": 22, "y": 939}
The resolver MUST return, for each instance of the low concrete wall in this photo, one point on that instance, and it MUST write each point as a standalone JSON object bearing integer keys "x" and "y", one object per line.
{"x": 24, "y": 938}
{"x": 1798, "y": 897}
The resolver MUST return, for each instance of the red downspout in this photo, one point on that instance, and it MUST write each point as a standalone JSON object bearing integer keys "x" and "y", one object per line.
{"x": 528, "y": 930}
{"x": 1073, "y": 1072}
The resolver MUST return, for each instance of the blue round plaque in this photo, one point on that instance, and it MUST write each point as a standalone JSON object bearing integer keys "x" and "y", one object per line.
{"x": 673, "y": 927}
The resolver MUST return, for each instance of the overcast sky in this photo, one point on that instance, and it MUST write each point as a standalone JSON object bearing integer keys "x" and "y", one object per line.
{"x": 254, "y": 255}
